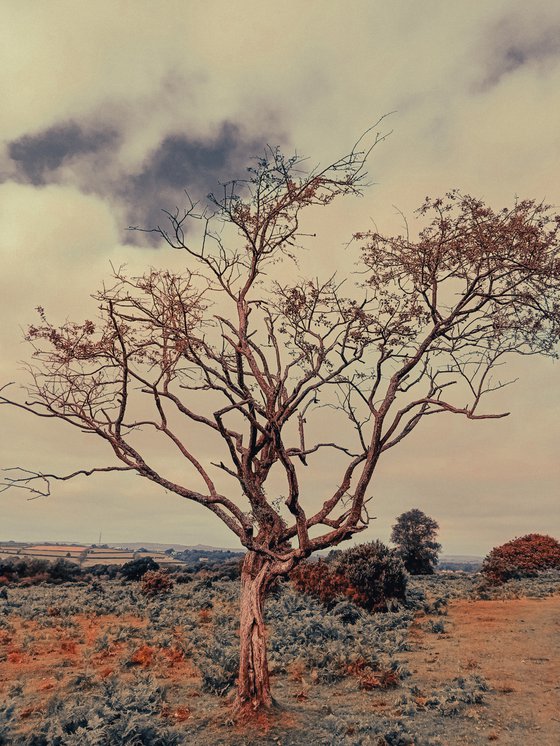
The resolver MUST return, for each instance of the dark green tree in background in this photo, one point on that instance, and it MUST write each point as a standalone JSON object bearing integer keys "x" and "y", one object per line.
{"x": 415, "y": 534}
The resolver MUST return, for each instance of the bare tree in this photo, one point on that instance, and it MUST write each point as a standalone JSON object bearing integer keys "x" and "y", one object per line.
{"x": 252, "y": 360}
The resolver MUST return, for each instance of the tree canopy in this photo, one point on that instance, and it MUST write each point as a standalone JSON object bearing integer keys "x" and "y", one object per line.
{"x": 414, "y": 533}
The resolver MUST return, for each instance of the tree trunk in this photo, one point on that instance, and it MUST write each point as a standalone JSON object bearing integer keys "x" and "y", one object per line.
{"x": 253, "y": 684}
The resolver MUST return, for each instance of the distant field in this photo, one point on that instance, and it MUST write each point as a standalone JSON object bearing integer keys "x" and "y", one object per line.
{"x": 83, "y": 555}
{"x": 58, "y": 548}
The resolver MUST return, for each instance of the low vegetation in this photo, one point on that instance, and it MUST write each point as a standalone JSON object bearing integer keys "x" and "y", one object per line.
{"x": 525, "y": 556}
{"x": 93, "y": 660}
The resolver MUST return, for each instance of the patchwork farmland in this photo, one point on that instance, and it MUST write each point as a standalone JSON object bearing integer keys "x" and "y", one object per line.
{"x": 82, "y": 554}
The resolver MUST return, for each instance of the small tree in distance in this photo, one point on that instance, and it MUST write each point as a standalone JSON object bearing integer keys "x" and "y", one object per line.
{"x": 414, "y": 533}
{"x": 248, "y": 354}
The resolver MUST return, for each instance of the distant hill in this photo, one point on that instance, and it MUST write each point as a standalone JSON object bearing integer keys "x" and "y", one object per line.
{"x": 152, "y": 546}
{"x": 454, "y": 562}
{"x": 157, "y": 547}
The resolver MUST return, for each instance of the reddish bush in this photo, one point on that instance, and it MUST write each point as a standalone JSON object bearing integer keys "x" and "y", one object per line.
{"x": 327, "y": 585}
{"x": 528, "y": 555}
{"x": 156, "y": 582}
{"x": 372, "y": 679}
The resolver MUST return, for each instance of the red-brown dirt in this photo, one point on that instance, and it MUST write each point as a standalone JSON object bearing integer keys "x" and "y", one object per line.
{"x": 515, "y": 646}
{"x": 33, "y": 654}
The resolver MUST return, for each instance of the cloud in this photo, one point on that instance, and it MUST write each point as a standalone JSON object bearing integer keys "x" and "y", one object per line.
{"x": 180, "y": 160}
{"x": 37, "y": 157}
{"x": 517, "y": 41}
{"x": 86, "y": 156}
{"x": 182, "y": 163}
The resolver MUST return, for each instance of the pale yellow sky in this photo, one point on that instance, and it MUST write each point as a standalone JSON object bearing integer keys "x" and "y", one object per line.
{"x": 111, "y": 108}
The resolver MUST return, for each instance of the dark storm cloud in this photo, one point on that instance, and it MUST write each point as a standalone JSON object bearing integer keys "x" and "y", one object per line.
{"x": 86, "y": 156}
{"x": 36, "y": 157}
{"x": 179, "y": 161}
{"x": 180, "y": 164}
{"x": 511, "y": 45}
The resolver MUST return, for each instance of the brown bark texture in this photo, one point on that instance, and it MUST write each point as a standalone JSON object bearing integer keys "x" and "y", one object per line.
{"x": 253, "y": 684}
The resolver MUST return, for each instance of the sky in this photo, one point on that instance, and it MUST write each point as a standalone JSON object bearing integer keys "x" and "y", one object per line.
{"x": 112, "y": 109}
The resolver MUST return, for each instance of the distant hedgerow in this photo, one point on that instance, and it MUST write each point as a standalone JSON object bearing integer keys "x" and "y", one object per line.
{"x": 136, "y": 569}
{"x": 32, "y": 571}
{"x": 522, "y": 557}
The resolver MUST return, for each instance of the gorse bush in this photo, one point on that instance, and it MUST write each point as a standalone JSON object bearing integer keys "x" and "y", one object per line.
{"x": 156, "y": 583}
{"x": 522, "y": 557}
{"x": 370, "y": 575}
{"x": 377, "y": 572}
{"x": 325, "y": 583}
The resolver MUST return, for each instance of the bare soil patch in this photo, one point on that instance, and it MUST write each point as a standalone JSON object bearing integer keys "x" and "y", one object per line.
{"x": 515, "y": 646}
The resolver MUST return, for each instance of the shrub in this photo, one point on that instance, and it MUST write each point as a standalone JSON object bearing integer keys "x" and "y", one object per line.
{"x": 136, "y": 569}
{"x": 103, "y": 571}
{"x": 525, "y": 556}
{"x": 328, "y": 585}
{"x": 370, "y": 575}
{"x": 376, "y": 572}
{"x": 31, "y": 571}
{"x": 64, "y": 571}
{"x": 156, "y": 582}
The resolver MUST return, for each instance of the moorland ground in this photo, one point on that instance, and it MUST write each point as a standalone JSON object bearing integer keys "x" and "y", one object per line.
{"x": 100, "y": 663}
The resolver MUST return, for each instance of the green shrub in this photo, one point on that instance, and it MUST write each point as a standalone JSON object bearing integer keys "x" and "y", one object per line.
{"x": 376, "y": 572}
{"x": 64, "y": 571}
{"x": 136, "y": 569}
{"x": 370, "y": 575}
